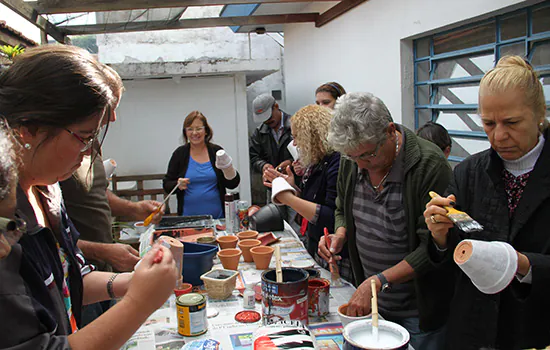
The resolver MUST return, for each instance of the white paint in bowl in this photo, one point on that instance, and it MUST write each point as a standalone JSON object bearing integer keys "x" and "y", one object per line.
{"x": 390, "y": 335}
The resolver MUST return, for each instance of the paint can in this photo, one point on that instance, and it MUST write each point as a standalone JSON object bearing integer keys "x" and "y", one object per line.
{"x": 191, "y": 311}
{"x": 318, "y": 295}
{"x": 242, "y": 213}
{"x": 287, "y": 300}
{"x": 313, "y": 272}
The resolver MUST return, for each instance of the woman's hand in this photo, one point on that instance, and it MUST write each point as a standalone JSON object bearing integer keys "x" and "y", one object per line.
{"x": 272, "y": 174}
{"x": 153, "y": 282}
{"x": 183, "y": 183}
{"x": 436, "y": 218}
{"x": 282, "y": 167}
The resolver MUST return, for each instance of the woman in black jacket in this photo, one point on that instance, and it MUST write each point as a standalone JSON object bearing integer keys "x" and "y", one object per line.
{"x": 316, "y": 199}
{"x": 201, "y": 182}
{"x": 507, "y": 190}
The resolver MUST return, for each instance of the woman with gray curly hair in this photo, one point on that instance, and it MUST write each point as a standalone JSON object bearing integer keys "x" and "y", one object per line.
{"x": 385, "y": 176}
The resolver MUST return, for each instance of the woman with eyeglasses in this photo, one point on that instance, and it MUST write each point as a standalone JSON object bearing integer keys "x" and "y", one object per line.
{"x": 201, "y": 182}
{"x": 54, "y": 101}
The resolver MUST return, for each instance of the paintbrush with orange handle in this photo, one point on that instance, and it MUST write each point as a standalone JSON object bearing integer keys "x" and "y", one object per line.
{"x": 148, "y": 220}
{"x": 336, "y": 281}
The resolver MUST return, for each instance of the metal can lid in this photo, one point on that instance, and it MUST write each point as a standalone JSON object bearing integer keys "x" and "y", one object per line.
{"x": 190, "y": 299}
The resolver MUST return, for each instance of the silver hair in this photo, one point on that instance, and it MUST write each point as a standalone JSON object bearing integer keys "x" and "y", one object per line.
{"x": 8, "y": 162}
{"x": 359, "y": 118}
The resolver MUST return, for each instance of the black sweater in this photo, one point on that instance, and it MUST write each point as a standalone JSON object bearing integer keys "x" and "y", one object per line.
{"x": 178, "y": 167}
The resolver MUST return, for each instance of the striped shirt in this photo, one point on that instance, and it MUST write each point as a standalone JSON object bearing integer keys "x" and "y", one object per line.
{"x": 382, "y": 239}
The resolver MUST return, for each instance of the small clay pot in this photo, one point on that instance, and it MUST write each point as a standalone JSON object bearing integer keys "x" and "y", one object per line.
{"x": 184, "y": 289}
{"x": 230, "y": 258}
{"x": 246, "y": 245}
{"x": 247, "y": 235}
{"x": 207, "y": 240}
{"x": 261, "y": 256}
{"x": 227, "y": 242}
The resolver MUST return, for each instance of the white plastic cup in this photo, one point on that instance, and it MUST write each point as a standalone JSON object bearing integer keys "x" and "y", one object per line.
{"x": 225, "y": 164}
{"x": 293, "y": 150}
{"x": 279, "y": 185}
{"x": 110, "y": 166}
{"x": 491, "y": 266}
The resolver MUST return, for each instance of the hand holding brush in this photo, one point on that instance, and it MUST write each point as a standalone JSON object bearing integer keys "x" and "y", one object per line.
{"x": 440, "y": 215}
{"x": 336, "y": 281}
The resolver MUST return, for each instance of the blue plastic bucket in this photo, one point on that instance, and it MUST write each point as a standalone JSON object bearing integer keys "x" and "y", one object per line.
{"x": 197, "y": 260}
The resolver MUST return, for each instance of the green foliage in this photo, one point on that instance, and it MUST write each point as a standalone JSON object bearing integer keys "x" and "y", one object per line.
{"x": 11, "y": 51}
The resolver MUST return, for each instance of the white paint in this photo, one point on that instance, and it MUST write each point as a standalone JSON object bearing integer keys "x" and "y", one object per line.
{"x": 370, "y": 48}
{"x": 386, "y": 339}
{"x": 150, "y": 120}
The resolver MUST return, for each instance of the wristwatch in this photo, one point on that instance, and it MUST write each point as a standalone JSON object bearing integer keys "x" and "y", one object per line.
{"x": 386, "y": 286}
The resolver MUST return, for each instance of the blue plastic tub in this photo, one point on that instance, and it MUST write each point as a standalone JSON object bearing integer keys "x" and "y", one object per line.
{"x": 197, "y": 260}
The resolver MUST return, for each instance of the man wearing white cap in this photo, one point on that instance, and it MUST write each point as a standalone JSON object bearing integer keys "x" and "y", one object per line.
{"x": 268, "y": 143}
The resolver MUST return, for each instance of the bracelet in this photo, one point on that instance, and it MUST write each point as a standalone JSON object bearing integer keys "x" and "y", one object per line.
{"x": 110, "y": 291}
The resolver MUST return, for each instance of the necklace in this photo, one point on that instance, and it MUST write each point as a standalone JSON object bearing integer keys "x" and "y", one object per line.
{"x": 388, "y": 173}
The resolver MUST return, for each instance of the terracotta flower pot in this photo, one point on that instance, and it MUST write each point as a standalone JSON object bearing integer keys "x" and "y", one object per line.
{"x": 247, "y": 235}
{"x": 226, "y": 242}
{"x": 230, "y": 258}
{"x": 261, "y": 256}
{"x": 246, "y": 245}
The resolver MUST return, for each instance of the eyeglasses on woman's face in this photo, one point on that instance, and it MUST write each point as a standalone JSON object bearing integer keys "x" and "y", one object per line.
{"x": 12, "y": 229}
{"x": 192, "y": 130}
{"x": 88, "y": 141}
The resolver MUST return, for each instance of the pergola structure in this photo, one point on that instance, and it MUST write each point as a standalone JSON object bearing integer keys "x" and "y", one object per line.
{"x": 118, "y": 16}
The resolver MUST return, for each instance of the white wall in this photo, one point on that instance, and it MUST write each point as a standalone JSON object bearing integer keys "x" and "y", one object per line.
{"x": 150, "y": 119}
{"x": 364, "y": 49}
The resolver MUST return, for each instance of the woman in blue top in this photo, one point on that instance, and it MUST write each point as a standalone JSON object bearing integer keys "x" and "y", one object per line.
{"x": 201, "y": 185}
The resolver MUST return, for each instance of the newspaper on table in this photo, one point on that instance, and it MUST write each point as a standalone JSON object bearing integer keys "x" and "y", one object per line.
{"x": 159, "y": 332}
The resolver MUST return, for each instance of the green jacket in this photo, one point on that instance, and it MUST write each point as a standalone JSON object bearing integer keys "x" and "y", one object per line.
{"x": 426, "y": 169}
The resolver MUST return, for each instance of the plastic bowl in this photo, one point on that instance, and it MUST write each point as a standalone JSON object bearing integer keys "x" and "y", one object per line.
{"x": 197, "y": 260}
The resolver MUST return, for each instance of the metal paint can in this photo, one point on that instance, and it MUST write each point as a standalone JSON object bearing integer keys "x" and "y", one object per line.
{"x": 287, "y": 300}
{"x": 242, "y": 213}
{"x": 319, "y": 295}
{"x": 191, "y": 311}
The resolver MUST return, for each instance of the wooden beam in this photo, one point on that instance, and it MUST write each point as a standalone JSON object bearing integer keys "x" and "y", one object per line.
{"x": 336, "y": 11}
{"x": 30, "y": 14}
{"x": 70, "y": 6}
{"x": 188, "y": 23}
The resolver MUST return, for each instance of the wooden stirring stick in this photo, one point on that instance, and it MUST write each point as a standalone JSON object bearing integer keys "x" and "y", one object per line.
{"x": 278, "y": 270}
{"x": 148, "y": 220}
{"x": 374, "y": 308}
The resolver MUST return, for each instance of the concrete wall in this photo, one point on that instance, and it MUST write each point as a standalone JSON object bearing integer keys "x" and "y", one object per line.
{"x": 150, "y": 119}
{"x": 370, "y": 48}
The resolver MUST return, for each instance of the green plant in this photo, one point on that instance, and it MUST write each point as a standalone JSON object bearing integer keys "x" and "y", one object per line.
{"x": 12, "y": 51}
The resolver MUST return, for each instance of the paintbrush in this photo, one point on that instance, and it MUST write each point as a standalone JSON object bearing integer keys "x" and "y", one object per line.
{"x": 148, "y": 220}
{"x": 278, "y": 269}
{"x": 374, "y": 310}
{"x": 336, "y": 281}
{"x": 462, "y": 220}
